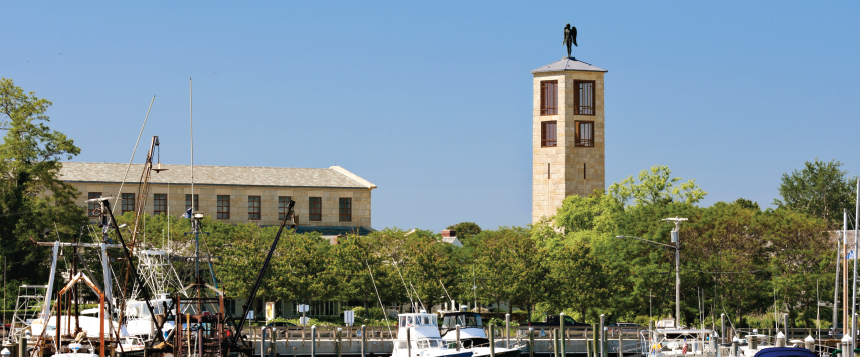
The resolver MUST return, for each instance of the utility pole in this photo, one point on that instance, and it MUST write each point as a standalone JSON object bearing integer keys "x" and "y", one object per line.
{"x": 674, "y": 234}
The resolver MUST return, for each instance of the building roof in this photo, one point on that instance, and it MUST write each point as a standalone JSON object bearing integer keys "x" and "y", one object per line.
{"x": 568, "y": 64}
{"x": 333, "y": 177}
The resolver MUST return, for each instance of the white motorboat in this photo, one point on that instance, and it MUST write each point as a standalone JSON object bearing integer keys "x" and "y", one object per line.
{"x": 682, "y": 342}
{"x": 418, "y": 336}
{"x": 472, "y": 335}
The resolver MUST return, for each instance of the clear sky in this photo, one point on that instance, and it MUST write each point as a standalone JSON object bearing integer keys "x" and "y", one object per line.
{"x": 431, "y": 101}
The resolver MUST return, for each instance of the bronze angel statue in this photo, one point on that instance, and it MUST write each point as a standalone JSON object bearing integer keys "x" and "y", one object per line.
{"x": 570, "y": 37}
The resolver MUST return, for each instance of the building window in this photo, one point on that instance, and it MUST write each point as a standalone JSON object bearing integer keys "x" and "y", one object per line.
{"x": 548, "y": 134}
{"x": 586, "y": 99}
{"x": 345, "y": 209}
{"x": 254, "y": 208}
{"x": 196, "y": 202}
{"x": 93, "y": 207}
{"x": 283, "y": 203}
{"x": 315, "y": 208}
{"x": 128, "y": 202}
{"x": 159, "y": 203}
{"x": 585, "y": 133}
{"x": 549, "y": 98}
{"x": 223, "y": 211}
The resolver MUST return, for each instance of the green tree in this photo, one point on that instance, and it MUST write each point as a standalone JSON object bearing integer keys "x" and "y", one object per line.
{"x": 656, "y": 186}
{"x": 32, "y": 196}
{"x": 716, "y": 241}
{"x": 352, "y": 258}
{"x": 429, "y": 264}
{"x": 820, "y": 189}
{"x": 800, "y": 255}
{"x": 304, "y": 270}
{"x": 465, "y": 231}
{"x": 575, "y": 276}
{"x": 509, "y": 267}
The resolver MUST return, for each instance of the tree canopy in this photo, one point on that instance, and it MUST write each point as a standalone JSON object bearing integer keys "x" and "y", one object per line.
{"x": 820, "y": 189}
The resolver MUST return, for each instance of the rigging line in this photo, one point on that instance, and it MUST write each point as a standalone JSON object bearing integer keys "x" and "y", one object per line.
{"x": 209, "y": 259}
{"x": 14, "y": 214}
{"x": 727, "y": 314}
{"x": 446, "y": 292}
{"x": 417, "y": 296}
{"x": 725, "y": 272}
{"x": 116, "y": 202}
{"x": 409, "y": 295}
{"x": 385, "y": 315}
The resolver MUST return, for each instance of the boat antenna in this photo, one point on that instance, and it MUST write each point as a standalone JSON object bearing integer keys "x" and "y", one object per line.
{"x": 116, "y": 202}
{"x": 385, "y": 316}
{"x": 417, "y": 296}
{"x": 409, "y": 295}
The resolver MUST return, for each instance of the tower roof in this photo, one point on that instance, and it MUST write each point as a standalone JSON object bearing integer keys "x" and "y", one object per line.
{"x": 568, "y": 64}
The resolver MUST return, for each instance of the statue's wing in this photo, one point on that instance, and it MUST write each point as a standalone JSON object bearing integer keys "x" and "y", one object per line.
{"x": 574, "y": 35}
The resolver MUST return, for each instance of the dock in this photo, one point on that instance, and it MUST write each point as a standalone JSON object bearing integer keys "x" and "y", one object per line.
{"x": 352, "y": 341}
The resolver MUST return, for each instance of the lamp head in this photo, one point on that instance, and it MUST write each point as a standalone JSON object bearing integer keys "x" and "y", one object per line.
{"x": 620, "y": 237}
{"x": 198, "y": 215}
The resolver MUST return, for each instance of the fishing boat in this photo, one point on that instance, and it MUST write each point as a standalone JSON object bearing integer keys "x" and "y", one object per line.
{"x": 418, "y": 335}
{"x": 472, "y": 335}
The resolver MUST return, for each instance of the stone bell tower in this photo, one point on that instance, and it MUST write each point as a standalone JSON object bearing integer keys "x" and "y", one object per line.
{"x": 567, "y": 133}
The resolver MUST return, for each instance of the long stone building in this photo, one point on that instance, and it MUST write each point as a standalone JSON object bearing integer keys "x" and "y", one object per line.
{"x": 332, "y": 201}
{"x": 567, "y": 133}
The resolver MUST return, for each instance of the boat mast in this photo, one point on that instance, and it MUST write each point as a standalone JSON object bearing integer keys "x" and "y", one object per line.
{"x": 836, "y": 288}
{"x": 845, "y": 278}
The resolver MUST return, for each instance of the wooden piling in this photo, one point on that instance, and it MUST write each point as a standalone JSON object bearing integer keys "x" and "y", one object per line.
{"x": 594, "y": 340}
{"x": 364, "y": 340}
{"x": 561, "y": 334}
{"x": 492, "y": 343}
{"x": 531, "y": 342}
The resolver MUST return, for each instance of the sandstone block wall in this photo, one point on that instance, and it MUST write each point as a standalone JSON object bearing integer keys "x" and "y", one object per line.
{"x": 565, "y": 162}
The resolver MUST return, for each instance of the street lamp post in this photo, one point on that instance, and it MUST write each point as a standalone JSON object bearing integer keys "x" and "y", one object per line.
{"x": 674, "y": 234}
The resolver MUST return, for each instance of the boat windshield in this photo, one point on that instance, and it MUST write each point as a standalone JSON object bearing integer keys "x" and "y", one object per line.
{"x": 464, "y": 320}
{"x": 432, "y": 344}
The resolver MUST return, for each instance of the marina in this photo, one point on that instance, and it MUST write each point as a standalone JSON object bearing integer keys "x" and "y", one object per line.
{"x": 514, "y": 241}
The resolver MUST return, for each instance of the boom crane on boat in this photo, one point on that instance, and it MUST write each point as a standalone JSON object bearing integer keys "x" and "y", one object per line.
{"x": 287, "y": 217}
{"x": 140, "y": 203}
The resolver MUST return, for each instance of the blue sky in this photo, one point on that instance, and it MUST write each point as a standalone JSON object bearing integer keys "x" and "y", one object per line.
{"x": 432, "y": 101}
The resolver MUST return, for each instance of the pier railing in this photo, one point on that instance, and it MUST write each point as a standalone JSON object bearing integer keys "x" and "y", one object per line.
{"x": 380, "y": 333}
{"x": 348, "y": 333}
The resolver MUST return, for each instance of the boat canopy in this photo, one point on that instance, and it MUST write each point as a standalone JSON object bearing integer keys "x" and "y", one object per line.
{"x": 464, "y": 319}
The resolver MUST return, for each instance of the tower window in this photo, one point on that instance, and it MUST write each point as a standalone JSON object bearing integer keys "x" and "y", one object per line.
{"x": 548, "y": 134}
{"x": 128, "y": 202}
{"x": 315, "y": 208}
{"x": 222, "y": 206}
{"x": 254, "y": 208}
{"x": 586, "y": 98}
{"x": 585, "y": 133}
{"x": 549, "y": 98}
{"x": 159, "y": 203}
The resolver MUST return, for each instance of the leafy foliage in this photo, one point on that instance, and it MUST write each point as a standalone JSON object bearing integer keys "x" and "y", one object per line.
{"x": 656, "y": 187}
{"x": 32, "y": 197}
{"x": 820, "y": 189}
